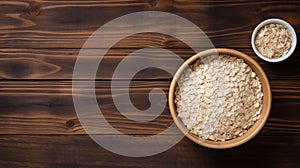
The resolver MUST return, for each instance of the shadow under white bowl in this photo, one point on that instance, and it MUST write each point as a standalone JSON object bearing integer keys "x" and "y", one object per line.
{"x": 278, "y": 21}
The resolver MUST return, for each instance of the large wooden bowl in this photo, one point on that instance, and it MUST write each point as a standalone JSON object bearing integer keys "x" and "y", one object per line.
{"x": 266, "y": 105}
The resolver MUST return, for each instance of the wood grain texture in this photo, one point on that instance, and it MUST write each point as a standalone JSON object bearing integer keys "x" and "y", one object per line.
{"x": 68, "y": 24}
{"x": 47, "y": 108}
{"x": 52, "y": 64}
{"x": 39, "y": 43}
{"x": 81, "y": 151}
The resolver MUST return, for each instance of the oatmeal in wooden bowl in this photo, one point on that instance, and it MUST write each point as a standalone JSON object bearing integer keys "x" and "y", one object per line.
{"x": 220, "y": 98}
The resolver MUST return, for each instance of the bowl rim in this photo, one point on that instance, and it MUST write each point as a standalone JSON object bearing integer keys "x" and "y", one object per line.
{"x": 279, "y": 21}
{"x": 267, "y": 99}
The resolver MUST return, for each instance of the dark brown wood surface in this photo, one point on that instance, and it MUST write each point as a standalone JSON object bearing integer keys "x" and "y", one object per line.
{"x": 39, "y": 43}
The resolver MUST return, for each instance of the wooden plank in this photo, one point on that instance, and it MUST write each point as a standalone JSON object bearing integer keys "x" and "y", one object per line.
{"x": 47, "y": 108}
{"x": 68, "y": 24}
{"x": 59, "y": 64}
{"x": 81, "y": 151}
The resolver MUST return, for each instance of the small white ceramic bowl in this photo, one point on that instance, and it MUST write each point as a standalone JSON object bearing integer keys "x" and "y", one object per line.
{"x": 279, "y": 21}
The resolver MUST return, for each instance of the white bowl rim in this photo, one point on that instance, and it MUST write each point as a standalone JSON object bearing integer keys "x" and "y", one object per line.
{"x": 282, "y": 22}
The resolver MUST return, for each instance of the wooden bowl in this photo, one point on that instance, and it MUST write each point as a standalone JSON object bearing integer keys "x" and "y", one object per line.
{"x": 266, "y": 103}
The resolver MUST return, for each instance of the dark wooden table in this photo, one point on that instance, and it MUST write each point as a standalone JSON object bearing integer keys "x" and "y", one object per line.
{"x": 39, "y": 43}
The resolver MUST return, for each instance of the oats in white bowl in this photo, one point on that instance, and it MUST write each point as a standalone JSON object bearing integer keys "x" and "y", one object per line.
{"x": 273, "y": 40}
{"x": 220, "y": 99}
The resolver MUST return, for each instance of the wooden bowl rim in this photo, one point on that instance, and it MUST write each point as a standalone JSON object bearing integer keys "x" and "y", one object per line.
{"x": 253, "y": 131}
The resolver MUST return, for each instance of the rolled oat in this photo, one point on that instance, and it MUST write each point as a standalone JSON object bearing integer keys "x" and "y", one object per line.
{"x": 273, "y": 40}
{"x": 220, "y": 99}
